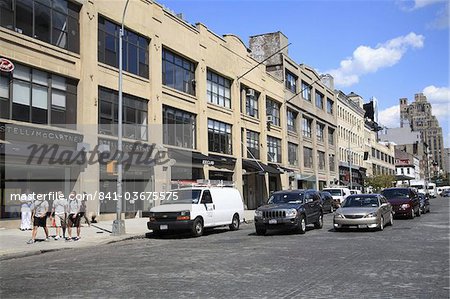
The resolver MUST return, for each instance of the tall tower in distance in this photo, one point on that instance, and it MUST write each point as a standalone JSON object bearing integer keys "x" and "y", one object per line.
{"x": 403, "y": 112}
{"x": 420, "y": 117}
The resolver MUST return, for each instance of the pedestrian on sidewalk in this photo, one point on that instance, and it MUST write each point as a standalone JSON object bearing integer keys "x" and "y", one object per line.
{"x": 83, "y": 209}
{"x": 59, "y": 212}
{"x": 39, "y": 211}
{"x": 73, "y": 220}
{"x": 25, "y": 209}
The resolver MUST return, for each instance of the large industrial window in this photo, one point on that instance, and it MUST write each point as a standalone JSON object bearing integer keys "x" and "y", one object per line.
{"x": 293, "y": 154}
{"x": 306, "y": 127}
{"x": 273, "y": 110}
{"x": 273, "y": 149}
{"x": 307, "y": 157}
{"x": 218, "y": 90}
{"x": 134, "y": 46}
{"x": 219, "y": 137}
{"x": 31, "y": 95}
{"x": 253, "y": 144}
{"x": 178, "y": 72}
{"x": 51, "y": 21}
{"x": 290, "y": 81}
{"x": 134, "y": 114}
{"x": 292, "y": 120}
{"x": 179, "y": 127}
{"x": 306, "y": 91}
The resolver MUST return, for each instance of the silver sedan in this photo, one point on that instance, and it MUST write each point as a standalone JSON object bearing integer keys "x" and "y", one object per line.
{"x": 364, "y": 211}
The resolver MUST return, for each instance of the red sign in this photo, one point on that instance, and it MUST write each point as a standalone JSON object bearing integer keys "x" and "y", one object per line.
{"x": 6, "y": 65}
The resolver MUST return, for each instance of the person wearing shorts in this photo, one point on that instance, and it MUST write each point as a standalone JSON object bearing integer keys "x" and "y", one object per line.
{"x": 59, "y": 212}
{"x": 73, "y": 220}
{"x": 39, "y": 210}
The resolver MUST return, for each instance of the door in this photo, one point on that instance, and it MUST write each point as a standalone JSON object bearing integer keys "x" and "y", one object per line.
{"x": 208, "y": 209}
{"x": 312, "y": 206}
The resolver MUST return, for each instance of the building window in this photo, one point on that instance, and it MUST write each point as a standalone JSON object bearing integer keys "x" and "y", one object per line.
{"x": 306, "y": 127}
{"x": 253, "y": 144}
{"x": 290, "y": 81}
{"x": 306, "y": 91}
{"x": 219, "y": 137}
{"x": 330, "y": 136}
{"x": 251, "y": 103}
{"x": 307, "y": 157}
{"x": 273, "y": 149}
{"x": 135, "y": 48}
{"x": 134, "y": 114}
{"x": 179, "y": 128}
{"x": 218, "y": 90}
{"x": 321, "y": 160}
{"x": 330, "y": 106}
{"x": 292, "y": 120}
{"x": 178, "y": 72}
{"x": 292, "y": 154}
{"x": 319, "y": 132}
{"x": 51, "y": 21}
{"x": 31, "y": 95}
{"x": 273, "y": 110}
{"x": 319, "y": 100}
{"x": 331, "y": 162}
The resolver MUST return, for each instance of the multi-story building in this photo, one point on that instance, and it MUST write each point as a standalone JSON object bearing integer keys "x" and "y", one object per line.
{"x": 187, "y": 94}
{"x": 309, "y": 113}
{"x": 350, "y": 115}
{"x": 407, "y": 167}
{"x": 419, "y": 116}
{"x": 380, "y": 155}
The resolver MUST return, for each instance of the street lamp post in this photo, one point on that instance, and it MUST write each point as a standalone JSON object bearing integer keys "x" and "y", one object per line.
{"x": 119, "y": 224}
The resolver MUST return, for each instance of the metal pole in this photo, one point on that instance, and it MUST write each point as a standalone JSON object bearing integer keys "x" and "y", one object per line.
{"x": 119, "y": 224}
{"x": 350, "y": 161}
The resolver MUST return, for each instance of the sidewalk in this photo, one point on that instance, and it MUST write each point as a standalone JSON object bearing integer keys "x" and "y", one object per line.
{"x": 13, "y": 242}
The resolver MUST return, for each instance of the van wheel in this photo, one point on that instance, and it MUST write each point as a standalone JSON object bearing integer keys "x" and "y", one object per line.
{"x": 381, "y": 226}
{"x": 235, "y": 222}
{"x": 197, "y": 227}
{"x": 412, "y": 215}
{"x": 418, "y": 212}
{"x": 319, "y": 223}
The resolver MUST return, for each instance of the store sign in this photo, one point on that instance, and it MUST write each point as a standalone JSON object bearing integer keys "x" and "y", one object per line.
{"x": 6, "y": 65}
{"x": 208, "y": 162}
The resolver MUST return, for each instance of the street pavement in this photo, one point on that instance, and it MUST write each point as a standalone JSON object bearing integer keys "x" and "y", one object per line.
{"x": 408, "y": 260}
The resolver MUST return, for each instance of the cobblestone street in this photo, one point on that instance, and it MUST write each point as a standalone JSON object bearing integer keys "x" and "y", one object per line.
{"x": 410, "y": 259}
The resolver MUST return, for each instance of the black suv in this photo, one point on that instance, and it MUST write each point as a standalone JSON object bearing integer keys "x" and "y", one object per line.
{"x": 293, "y": 209}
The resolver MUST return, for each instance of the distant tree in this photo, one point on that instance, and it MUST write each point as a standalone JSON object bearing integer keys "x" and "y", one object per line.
{"x": 380, "y": 182}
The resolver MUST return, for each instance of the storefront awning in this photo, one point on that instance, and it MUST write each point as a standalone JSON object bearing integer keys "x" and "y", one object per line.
{"x": 304, "y": 177}
{"x": 222, "y": 161}
{"x": 252, "y": 165}
{"x": 191, "y": 157}
{"x": 402, "y": 177}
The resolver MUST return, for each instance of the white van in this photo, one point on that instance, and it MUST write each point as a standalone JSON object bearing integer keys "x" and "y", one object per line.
{"x": 338, "y": 193}
{"x": 195, "y": 208}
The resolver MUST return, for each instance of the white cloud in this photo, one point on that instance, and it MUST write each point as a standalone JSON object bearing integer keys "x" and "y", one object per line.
{"x": 390, "y": 117}
{"x": 437, "y": 94}
{"x": 367, "y": 60}
{"x": 422, "y": 3}
{"x": 442, "y": 20}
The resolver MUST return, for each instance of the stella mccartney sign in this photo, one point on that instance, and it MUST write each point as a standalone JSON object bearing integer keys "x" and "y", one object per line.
{"x": 12, "y": 132}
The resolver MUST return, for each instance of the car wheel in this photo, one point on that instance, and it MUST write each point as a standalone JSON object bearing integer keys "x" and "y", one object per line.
{"x": 319, "y": 223}
{"x": 412, "y": 214}
{"x": 197, "y": 227}
{"x": 381, "y": 226}
{"x": 261, "y": 231}
{"x": 235, "y": 222}
{"x": 391, "y": 220}
{"x": 301, "y": 227}
{"x": 418, "y": 212}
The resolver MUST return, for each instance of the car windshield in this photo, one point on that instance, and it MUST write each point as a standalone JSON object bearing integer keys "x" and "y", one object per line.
{"x": 395, "y": 193}
{"x": 180, "y": 196}
{"x": 291, "y": 197}
{"x": 335, "y": 192}
{"x": 363, "y": 202}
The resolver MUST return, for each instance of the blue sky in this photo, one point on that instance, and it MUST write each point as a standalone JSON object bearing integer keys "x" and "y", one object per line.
{"x": 382, "y": 49}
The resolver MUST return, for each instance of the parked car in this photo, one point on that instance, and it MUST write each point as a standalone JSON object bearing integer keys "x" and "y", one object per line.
{"x": 291, "y": 209}
{"x": 424, "y": 203}
{"x": 404, "y": 201}
{"x": 338, "y": 193}
{"x": 446, "y": 193}
{"x": 195, "y": 208}
{"x": 364, "y": 211}
{"x": 328, "y": 204}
